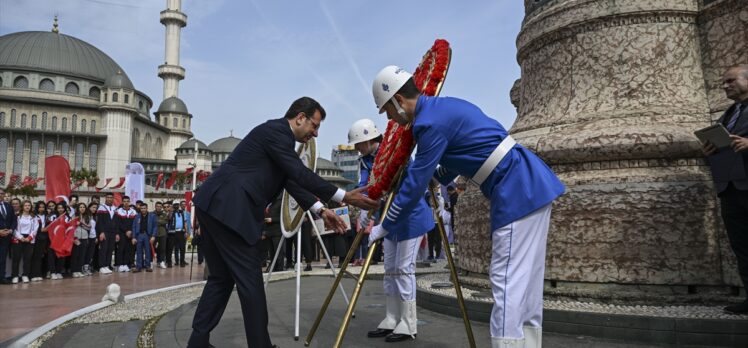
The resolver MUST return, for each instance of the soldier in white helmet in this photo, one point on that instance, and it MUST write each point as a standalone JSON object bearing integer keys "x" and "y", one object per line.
{"x": 400, "y": 245}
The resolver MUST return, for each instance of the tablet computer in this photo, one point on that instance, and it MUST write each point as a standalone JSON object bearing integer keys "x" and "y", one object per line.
{"x": 715, "y": 134}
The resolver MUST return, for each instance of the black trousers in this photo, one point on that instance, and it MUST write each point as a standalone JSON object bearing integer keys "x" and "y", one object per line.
{"x": 41, "y": 252}
{"x": 79, "y": 255}
{"x": 229, "y": 254}
{"x": 90, "y": 249}
{"x": 106, "y": 248}
{"x": 734, "y": 205}
{"x": 180, "y": 247}
{"x": 161, "y": 249}
{"x": 125, "y": 250}
{"x": 306, "y": 247}
{"x": 4, "y": 251}
{"x": 22, "y": 251}
{"x": 435, "y": 243}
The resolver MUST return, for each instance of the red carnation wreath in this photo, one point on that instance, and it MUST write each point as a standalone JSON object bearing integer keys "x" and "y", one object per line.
{"x": 397, "y": 143}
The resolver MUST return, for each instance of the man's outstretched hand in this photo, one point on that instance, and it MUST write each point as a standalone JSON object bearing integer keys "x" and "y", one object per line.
{"x": 333, "y": 221}
{"x": 358, "y": 198}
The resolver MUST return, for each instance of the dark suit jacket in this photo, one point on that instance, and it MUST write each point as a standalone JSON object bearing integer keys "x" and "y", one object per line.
{"x": 10, "y": 220}
{"x": 263, "y": 163}
{"x": 726, "y": 165}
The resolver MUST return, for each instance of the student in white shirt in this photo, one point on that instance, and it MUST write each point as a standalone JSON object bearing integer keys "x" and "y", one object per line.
{"x": 23, "y": 239}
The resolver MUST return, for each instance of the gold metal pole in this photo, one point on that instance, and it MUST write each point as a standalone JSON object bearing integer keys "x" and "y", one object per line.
{"x": 341, "y": 272}
{"x": 452, "y": 270}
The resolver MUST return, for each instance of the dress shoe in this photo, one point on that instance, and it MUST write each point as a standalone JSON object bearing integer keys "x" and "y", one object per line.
{"x": 393, "y": 337}
{"x": 308, "y": 268}
{"x": 5, "y": 281}
{"x": 379, "y": 333}
{"x": 740, "y": 308}
{"x": 136, "y": 270}
{"x": 149, "y": 269}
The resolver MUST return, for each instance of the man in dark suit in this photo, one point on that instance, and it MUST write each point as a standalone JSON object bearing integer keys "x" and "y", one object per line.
{"x": 230, "y": 207}
{"x": 730, "y": 172}
{"x": 8, "y": 223}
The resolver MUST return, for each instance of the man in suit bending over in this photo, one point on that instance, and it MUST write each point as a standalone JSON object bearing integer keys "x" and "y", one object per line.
{"x": 230, "y": 208}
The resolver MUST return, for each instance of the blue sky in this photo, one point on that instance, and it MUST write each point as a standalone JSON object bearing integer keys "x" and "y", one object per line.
{"x": 246, "y": 61}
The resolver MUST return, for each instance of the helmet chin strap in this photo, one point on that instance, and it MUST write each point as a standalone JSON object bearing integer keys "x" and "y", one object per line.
{"x": 400, "y": 110}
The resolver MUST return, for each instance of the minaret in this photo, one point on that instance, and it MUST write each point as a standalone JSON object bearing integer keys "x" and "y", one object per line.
{"x": 174, "y": 20}
{"x": 172, "y": 113}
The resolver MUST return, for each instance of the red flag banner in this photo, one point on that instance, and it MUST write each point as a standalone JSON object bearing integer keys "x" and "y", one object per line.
{"x": 121, "y": 182}
{"x": 172, "y": 180}
{"x": 159, "y": 179}
{"x": 78, "y": 184}
{"x": 57, "y": 175}
{"x": 108, "y": 180}
{"x": 27, "y": 181}
{"x": 12, "y": 180}
{"x": 202, "y": 175}
{"x": 117, "y": 199}
{"x": 188, "y": 200}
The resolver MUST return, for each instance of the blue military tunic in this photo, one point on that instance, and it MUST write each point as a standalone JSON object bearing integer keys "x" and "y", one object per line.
{"x": 419, "y": 222}
{"x": 458, "y": 136}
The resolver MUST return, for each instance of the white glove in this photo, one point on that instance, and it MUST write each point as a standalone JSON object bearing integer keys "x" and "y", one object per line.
{"x": 377, "y": 233}
{"x": 363, "y": 219}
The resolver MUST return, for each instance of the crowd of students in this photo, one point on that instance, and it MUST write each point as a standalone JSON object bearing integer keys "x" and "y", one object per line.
{"x": 105, "y": 238}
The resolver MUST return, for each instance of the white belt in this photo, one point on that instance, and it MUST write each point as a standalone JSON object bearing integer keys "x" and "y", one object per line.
{"x": 493, "y": 160}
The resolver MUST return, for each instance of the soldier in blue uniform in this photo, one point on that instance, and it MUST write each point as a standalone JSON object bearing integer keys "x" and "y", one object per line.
{"x": 400, "y": 246}
{"x": 454, "y": 137}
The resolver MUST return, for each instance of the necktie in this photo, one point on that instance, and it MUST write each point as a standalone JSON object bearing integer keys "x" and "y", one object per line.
{"x": 734, "y": 117}
{"x": 2, "y": 209}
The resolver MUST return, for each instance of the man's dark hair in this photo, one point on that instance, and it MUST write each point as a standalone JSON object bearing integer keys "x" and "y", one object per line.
{"x": 409, "y": 89}
{"x": 140, "y": 202}
{"x": 159, "y": 202}
{"x": 143, "y": 204}
{"x": 125, "y": 198}
{"x": 109, "y": 194}
{"x": 306, "y": 105}
{"x": 74, "y": 196}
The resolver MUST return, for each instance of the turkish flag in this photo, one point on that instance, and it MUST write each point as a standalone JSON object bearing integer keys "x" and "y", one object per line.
{"x": 62, "y": 236}
{"x": 78, "y": 184}
{"x": 172, "y": 179}
{"x": 12, "y": 180}
{"x": 159, "y": 178}
{"x": 57, "y": 175}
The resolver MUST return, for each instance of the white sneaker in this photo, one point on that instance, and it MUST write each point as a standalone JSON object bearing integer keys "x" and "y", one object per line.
{"x": 15, "y": 280}
{"x": 49, "y": 275}
{"x": 56, "y": 276}
{"x": 127, "y": 268}
{"x": 77, "y": 274}
{"x": 105, "y": 270}
{"x": 162, "y": 264}
{"x": 36, "y": 279}
{"x": 25, "y": 279}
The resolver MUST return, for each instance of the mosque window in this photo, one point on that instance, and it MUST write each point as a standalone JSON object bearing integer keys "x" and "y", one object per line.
{"x": 136, "y": 143}
{"x": 184, "y": 123}
{"x": 72, "y": 88}
{"x": 50, "y": 150}
{"x": 23, "y": 120}
{"x": 54, "y": 123}
{"x": 21, "y": 82}
{"x": 83, "y": 126}
{"x": 105, "y": 97}
{"x": 34, "y": 159}
{"x": 159, "y": 147}
{"x": 93, "y": 152}
{"x": 44, "y": 121}
{"x": 47, "y": 85}
{"x": 65, "y": 150}
{"x": 115, "y": 97}
{"x": 175, "y": 122}
{"x": 127, "y": 99}
{"x": 64, "y": 127}
{"x": 140, "y": 105}
{"x": 74, "y": 124}
{"x": 94, "y": 92}
{"x": 2, "y": 123}
{"x": 78, "y": 156}
{"x": 3, "y": 157}
{"x": 18, "y": 157}
{"x": 33, "y": 121}
{"x": 93, "y": 126}
{"x": 13, "y": 117}
{"x": 1, "y": 81}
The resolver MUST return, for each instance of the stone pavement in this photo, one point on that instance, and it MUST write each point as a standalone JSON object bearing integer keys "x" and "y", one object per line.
{"x": 173, "y": 329}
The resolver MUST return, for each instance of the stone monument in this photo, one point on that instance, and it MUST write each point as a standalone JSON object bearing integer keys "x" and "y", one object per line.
{"x": 610, "y": 94}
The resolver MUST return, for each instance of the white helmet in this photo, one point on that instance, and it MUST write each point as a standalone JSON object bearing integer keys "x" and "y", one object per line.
{"x": 388, "y": 81}
{"x": 362, "y": 130}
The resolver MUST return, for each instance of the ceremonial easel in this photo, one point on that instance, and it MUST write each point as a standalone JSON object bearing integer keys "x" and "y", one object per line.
{"x": 430, "y": 59}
